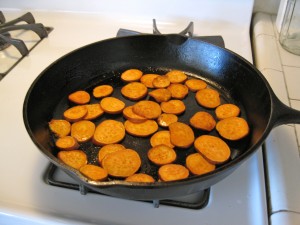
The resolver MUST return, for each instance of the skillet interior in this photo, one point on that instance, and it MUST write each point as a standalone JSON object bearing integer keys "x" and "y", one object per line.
{"x": 103, "y": 62}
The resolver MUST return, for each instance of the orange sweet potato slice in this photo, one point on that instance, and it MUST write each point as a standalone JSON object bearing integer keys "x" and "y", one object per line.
{"x": 203, "y": 121}
{"x": 107, "y": 149}
{"x": 93, "y": 172}
{"x": 161, "y": 155}
{"x": 112, "y": 105}
{"x": 195, "y": 84}
{"x": 176, "y": 76}
{"x": 123, "y": 163}
{"x": 181, "y": 135}
{"x": 147, "y": 109}
{"x": 178, "y": 91}
{"x": 102, "y": 91}
{"x": 140, "y": 177}
{"x": 133, "y": 117}
{"x": 83, "y": 130}
{"x": 131, "y": 75}
{"x": 142, "y": 129}
{"x": 74, "y": 158}
{"x": 233, "y": 128}
{"x": 227, "y": 110}
{"x": 173, "y": 106}
{"x": 208, "y": 98}
{"x": 161, "y": 137}
{"x": 134, "y": 91}
{"x": 147, "y": 80}
{"x": 198, "y": 165}
{"x": 212, "y": 148}
{"x": 79, "y": 97}
{"x": 75, "y": 113}
{"x": 161, "y": 82}
{"x": 161, "y": 95}
{"x": 173, "y": 172}
{"x": 60, "y": 128}
{"x": 109, "y": 132}
{"x": 93, "y": 111}
{"x": 165, "y": 119}
{"x": 67, "y": 143}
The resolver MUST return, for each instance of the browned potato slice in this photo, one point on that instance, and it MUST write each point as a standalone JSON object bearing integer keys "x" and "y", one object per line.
{"x": 212, "y": 148}
{"x": 93, "y": 111}
{"x": 178, "y": 91}
{"x": 161, "y": 95}
{"x": 142, "y": 129}
{"x": 107, "y": 149}
{"x": 75, "y": 113}
{"x": 134, "y": 91}
{"x": 198, "y": 165}
{"x": 83, "y": 130}
{"x": 208, "y": 98}
{"x": 60, "y": 128}
{"x": 147, "y": 80}
{"x": 133, "y": 117}
{"x": 112, "y": 105}
{"x": 203, "y": 121}
{"x": 161, "y": 137}
{"x": 173, "y": 172}
{"x": 181, "y": 135}
{"x": 73, "y": 158}
{"x": 79, "y": 97}
{"x": 165, "y": 119}
{"x": 93, "y": 172}
{"x": 227, "y": 110}
{"x": 161, "y": 155}
{"x": 131, "y": 75}
{"x": 147, "y": 109}
{"x": 102, "y": 91}
{"x": 123, "y": 163}
{"x": 140, "y": 177}
{"x": 161, "y": 82}
{"x": 233, "y": 128}
{"x": 195, "y": 84}
{"x": 174, "y": 106}
{"x": 176, "y": 76}
{"x": 109, "y": 132}
{"x": 66, "y": 143}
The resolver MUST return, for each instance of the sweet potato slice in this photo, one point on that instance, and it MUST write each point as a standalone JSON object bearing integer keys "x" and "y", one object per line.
{"x": 79, "y": 97}
{"x": 109, "y": 132}
{"x": 112, "y": 105}
{"x": 134, "y": 91}
{"x": 67, "y": 143}
{"x": 161, "y": 137}
{"x": 102, "y": 91}
{"x": 133, "y": 117}
{"x": 123, "y": 163}
{"x": 208, "y": 98}
{"x": 161, "y": 94}
{"x": 165, "y": 119}
{"x": 131, "y": 75}
{"x": 198, "y": 165}
{"x": 178, "y": 91}
{"x": 233, "y": 128}
{"x": 161, "y": 155}
{"x": 74, "y": 158}
{"x": 203, "y": 121}
{"x": 172, "y": 172}
{"x": 93, "y": 111}
{"x": 147, "y": 109}
{"x": 176, "y": 76}
{"x": 75, "y": 113}
{"x": 140, "y": 177}
{"x": 181, "y": 135}
{"x": 107, "y": 149}
{"x": 195, "y": 84}
{"x": 161, "y": 82}
{"x": 93, "y": 172}
{"x": 212, "y": 148}
{"x": 227, "y": 110}
{"x": 60, "y": 128}
{"x": 142, "y": 129}
{"x": 147, "y": 79}
{"x": 83, "y": 130}
{"x": 174, "y": 106}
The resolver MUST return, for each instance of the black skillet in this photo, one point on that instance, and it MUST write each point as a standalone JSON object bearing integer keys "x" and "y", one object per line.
{"x": 102, "y": 63}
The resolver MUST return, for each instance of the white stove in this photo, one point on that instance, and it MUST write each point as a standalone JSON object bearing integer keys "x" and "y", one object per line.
{"x": 25, "y": 197}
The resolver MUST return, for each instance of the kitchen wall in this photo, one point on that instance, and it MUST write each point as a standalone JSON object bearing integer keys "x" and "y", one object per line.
{"x": 268, "y": 6}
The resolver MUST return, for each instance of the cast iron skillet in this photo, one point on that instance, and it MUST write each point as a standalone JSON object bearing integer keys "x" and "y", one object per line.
{"x": 103, "y": 62}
